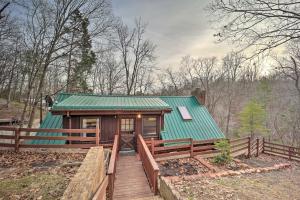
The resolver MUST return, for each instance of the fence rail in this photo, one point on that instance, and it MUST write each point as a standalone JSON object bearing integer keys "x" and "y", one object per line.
{"x": 149, "y": 164}
{"x": 189, "y": 147}
{"x": 20, "y": 137}
{"x": 292, "y": 153}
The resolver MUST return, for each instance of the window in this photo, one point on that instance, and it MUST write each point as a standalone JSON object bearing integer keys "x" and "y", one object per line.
{"x": 149, "y": 126}
{"x": 127, "y": 124}
{"x": 184, "y": 113}
{"x": 89, "y": 123}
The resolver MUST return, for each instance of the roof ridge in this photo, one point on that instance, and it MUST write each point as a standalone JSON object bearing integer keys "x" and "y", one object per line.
{"x": 124, "y": 95}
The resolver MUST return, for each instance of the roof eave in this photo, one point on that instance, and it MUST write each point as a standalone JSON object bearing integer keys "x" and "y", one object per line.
{"x": 108, "y": 112}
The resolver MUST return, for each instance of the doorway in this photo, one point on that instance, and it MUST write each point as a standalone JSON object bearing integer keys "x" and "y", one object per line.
{"x": 128, "y": 134}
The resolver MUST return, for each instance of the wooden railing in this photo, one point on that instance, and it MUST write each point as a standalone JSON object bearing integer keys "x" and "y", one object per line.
{"x": 165, "y": 149}
{"x": 292, "y": 153}
{"x": 186, "y": 147}
{"x": 101, "y": 192}
{"x": 240, "y": 146}
{"x": 150, "y": 166}
{"x": 20, "y": 137}
{"x": 111, "y": 172}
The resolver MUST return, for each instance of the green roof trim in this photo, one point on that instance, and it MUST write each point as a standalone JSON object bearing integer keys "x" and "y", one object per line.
{"x": 80, "y": 102}
{"x": 201, "y": 127}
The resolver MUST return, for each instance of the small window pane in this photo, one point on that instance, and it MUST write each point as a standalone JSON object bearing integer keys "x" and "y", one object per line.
{"x": 149, "y": 126}
{"x": 89, "y": 123}
{"x": 127, "y": 124}
{"x": 184, "y": 113}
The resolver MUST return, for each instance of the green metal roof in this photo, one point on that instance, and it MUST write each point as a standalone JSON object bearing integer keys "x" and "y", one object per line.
{"x": 111, "y": 103}
{"x": 201, "y": 127}
{"x": 51, "y": 121}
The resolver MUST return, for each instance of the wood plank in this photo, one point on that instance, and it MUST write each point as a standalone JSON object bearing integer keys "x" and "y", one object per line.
{"x": 131, "y": 181}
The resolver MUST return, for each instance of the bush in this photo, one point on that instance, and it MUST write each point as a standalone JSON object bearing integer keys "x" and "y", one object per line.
{"x": 224, "y": 157}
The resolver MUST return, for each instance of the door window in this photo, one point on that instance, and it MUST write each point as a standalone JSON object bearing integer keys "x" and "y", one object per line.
{"x": 127, "y": 125}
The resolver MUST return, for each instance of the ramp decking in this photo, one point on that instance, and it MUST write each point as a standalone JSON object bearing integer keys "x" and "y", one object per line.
{"x": 131, "y": 181}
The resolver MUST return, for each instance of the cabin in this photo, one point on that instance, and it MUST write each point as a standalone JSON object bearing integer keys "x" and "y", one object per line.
{"x": 158, "y": 117}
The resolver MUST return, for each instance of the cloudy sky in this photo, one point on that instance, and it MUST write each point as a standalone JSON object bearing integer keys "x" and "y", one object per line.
{"x": 177, "y": 27}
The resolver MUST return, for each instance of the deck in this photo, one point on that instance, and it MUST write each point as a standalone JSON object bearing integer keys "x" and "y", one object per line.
{"x": 131, "y": 181}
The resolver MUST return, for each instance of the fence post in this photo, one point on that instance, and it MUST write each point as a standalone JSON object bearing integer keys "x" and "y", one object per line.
{"x": 249, "y": 145}
{"x": 257, "y": 147}
{"x": 152, "y": 146}
{"x": 290, "y": 153}
{"x": 263, "y": 146}
{"x": 192, "y": 147}
{"x": 17, "y": 139}
{"x": 155, "y": 176}
{"x": 97, "y": 133}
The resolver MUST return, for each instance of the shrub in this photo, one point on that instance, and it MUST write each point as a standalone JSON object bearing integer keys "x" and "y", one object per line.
{"x": 224, "y": 157}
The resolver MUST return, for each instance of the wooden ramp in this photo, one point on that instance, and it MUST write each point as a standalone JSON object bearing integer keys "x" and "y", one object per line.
{"x": 131, "y": 181}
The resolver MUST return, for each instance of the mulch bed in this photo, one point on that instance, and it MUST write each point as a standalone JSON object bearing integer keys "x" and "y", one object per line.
{"x": 181, "y": 167}
{"x": 278, "y": 184}
{"x": 264, "y": 160}
{"x": 233, "y": 165}
{"x": 36, "y": 175}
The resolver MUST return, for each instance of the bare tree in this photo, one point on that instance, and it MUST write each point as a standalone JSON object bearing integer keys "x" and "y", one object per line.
{"x": 231, "y": 66}
{"x": 47, "y": 22}
{"x": 136, "y": 52}
{"x": 265, "y": 24}
{"x": 108, "y": 74}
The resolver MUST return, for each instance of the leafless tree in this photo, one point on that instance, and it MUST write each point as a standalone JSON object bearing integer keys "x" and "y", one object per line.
{"x": 46, "y": 26}
{"x": 265, "y": 24}
{"x": 108, "y": 74}
{"x": 232, "y": 63}
{"x": 136, "y": 51}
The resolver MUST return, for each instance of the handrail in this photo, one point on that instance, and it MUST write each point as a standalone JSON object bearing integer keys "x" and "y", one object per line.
{"x": 111, "y": 171}
{"x": 112, "y": 161}
{"x": 149, "y": 164}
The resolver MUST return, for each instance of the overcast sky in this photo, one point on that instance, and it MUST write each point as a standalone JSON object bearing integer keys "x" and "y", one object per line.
{"x": 177, "y": 27}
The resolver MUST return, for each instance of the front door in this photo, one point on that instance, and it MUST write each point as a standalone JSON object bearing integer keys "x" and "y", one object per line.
{"x": 127, "y": 130}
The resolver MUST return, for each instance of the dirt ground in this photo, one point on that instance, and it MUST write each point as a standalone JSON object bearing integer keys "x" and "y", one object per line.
{"x": 36, "y": 175}
{"x": 281, "y": 185}
{"x": 180, "y": 167}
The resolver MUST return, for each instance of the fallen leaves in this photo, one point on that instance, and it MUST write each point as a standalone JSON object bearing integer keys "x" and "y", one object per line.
{"x": 36, "y": 175}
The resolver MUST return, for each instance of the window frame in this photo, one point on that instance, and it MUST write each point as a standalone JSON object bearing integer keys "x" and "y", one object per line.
{"x": 89, "y": 117}
{"x": 156, "y": 121}
{"x": 128, "y": 124}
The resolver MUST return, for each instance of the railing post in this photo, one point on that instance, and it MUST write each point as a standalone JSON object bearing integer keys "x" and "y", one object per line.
{"x": 17, "y": 139}
{"x": 155, "y": 182}
{"x": 249, "y": 147}
{"x": 152, "y": 146}
{"x": 257, "y": 147}
{"x": 97, "y": 133}
{"x": 192, "y": 147}
{"x": 290, "y": 153}
{"x": 263, "y": 145}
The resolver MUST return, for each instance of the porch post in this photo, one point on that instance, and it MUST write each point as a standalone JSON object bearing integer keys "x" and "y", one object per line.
{"x": 97, "y": 133}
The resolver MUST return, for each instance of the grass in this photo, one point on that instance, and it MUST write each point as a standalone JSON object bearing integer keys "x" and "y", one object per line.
{"x": 39, "y": 185}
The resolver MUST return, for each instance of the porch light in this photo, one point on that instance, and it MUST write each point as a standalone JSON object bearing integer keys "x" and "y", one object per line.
{"x": 139, "y": 116}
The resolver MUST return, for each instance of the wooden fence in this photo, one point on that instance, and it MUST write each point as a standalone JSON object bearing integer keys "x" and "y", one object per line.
{"x": 188, "y": 147}
{"x": 20, "y": 138}
{"x": 289, "y": 152}
{"x": 150, "y": 166}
